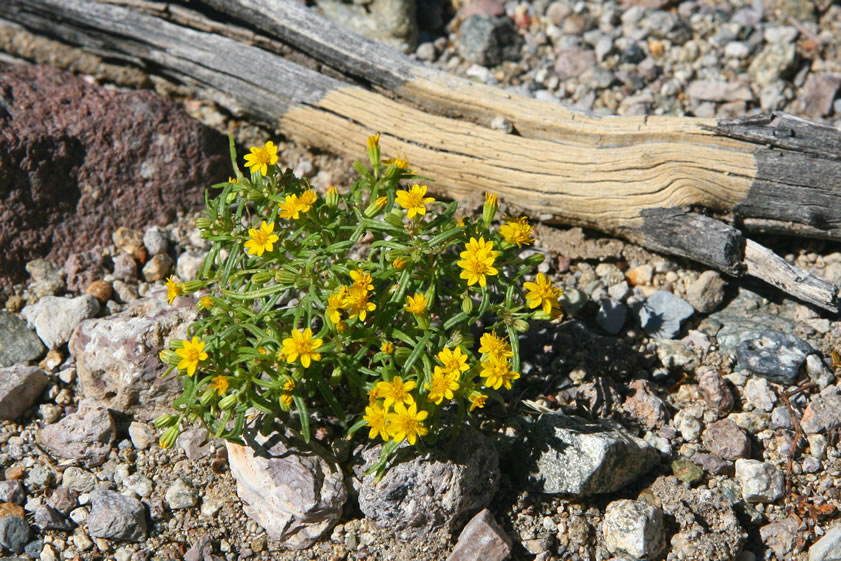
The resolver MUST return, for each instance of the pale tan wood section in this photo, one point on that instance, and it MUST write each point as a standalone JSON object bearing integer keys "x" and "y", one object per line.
{"x": 604, "y": 187}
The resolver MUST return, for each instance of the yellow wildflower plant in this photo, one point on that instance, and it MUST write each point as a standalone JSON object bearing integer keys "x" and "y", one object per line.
{"x": 191, "y": 353}
{"x": 542, "y": 294}
{"x": 261, "y": 157}
{"x": 415, "y": 304}
{"x": 454, "y": 361}
{"x": 395, "y": 391}
{"x": 414, "y": 200}
{"x": 477, "y": 261}
{"x": 336, "y": 310}
{"x": 442, "y": 385}
{"x": 517, "y": 231}
{"x": 301, "y": 345}
{"x": 406, "y": 423}
{"x": 262, "y": 239}
{"x": 220, "y": 384}
{"x": 173, "y": 290}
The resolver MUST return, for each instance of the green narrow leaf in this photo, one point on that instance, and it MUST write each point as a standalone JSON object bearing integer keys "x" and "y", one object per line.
{"x": 416, "y": 352}
{"x": 514, "y": 340}
{"x": 303, "y": 417}
{"x": 458, "y": 318}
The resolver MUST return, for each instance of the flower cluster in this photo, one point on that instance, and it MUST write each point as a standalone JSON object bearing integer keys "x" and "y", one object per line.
{"x": 352, "y": 307}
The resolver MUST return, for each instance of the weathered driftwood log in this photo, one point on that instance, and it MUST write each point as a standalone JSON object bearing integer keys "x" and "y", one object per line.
{"x": 677, "y": 185}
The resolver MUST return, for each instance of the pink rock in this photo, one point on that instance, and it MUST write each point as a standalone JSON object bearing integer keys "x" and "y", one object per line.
{"x": 483, "y": 8}
{"x": 77, "y": 161}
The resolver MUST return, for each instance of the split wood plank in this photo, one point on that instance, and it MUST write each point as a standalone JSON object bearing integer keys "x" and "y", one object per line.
{"x": 667, "y": 183}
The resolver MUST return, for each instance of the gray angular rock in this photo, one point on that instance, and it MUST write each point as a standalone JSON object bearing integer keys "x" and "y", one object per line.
{"x": 707, "y": 292}
{"x": 573, "y": 62}
{"x": 780, "y": 536}
{"x": 488, "y": 40}
{"x": 125, "y": 267}
{"x": 12, "y": 491}
{"x": 773, "y": 62}
{"x": 726, "y": 440}
{"x": 570, "y": 455}
{"x": 411, "y": 497}
{"x": 633, "y": 529}
{"x": 481, "y": 540}
{"x": 828, "y": 548}
{"x": 716, "y": 90}
{"x": 194, "y": 443}
{"x": 46, "y": 279}
{"x": 714, "y": 389}
{"x": 18, "y": 343}
{"x": 759, "y": 394}
{"x": 155, "y": 240}
{"x": 708, "y": 527}
{"x": 20, "y": 387}
{"x": 295, "y": 495}
{"x": 14, "y": 533}
{"x": 393, "y": 22}
{"x": 188, "y": 265}
{"x": 662, "y": 313}
{"x": 760, "y": 481}
{"x": 116, "y": 517}
{"x": 823, "y": 413}
{"x": 117, "y": 357}
{"x": 202, "y": 550}
{"x": 774, "y": 355}
{"x": 48, "y": 518}
{"x": 55, "y": 318}
{"x": 86, "y": 435}
{"x": 78, "y": 479}
{"x": 181, "y": 495}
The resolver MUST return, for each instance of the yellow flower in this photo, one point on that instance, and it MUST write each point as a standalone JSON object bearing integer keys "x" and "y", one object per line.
{"x": 395, "y": 391}
{"x": 205, "y": 302}
{"x": 261, "y": 240}
{"x": 477, "y": 400}
{"x": 335, "y": 302}
{"x": 416, "y": 305}
{"x": 341, "y": 326}
{"x": 400, "y": 161}
{"x": 357, "y": 304}
{"x": 497, "y": 373}
{"x": 373, "y": 395}
{"x": 303, "y": 345}
{"x": 375, "y": 417}
{"x": 492, "y": 345}
{"x": 373, "y": 141}
{"x": 454, "y": 361}
{"x": 291, "y": 207}
{"x": 191, "y": 353}
{"x": 442, "y": 385}
{"x": 331, "y": 198}
{"x": 307, "y": 199}
{"x": 173, "y": 290}
{"x": 261, "y": 157}
{"x": 477, "y": 261}
{"x": 542, "y": 293}
{"x": 387, "y": 347}
{"x": 517, "y": 231}
{"x": 220, "y": 384}
{"x": 233, "y": 180}
{"x": 286, "y": 400}
{"x": 289, "y": 385}
{"x": 362, "y": 279}
{"x": 413, "y": 200}
{"x": 399, "y": 264}
{"x": 406, "y": 423}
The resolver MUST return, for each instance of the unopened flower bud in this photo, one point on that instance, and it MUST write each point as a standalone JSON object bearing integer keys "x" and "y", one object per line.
{"x": 395, "y": 217}
{"x": 374, "y": 149}
{"x": 401, "y": 354}
{"x": 399, "y": 264}
{"x": 203, "y": 223}
{"x": 331, "y": 198}
{"x": 535, "y": 259}
{"x": 169, "y": 357}
{"x": 228, "y": 401}
{"x": 207, "y": 396}
{"x": 489, "y": 209}
{"x": 521, "y": 325}
{"x": 165, "y": 420}
{"x": 168, "y": 438}
{"x": 191, "y": 286}
{"x": 466, "y": 303}
{"x": 375, "y": 207}
{"x": 285, "y": 277}
{"x": 262, "y": 277}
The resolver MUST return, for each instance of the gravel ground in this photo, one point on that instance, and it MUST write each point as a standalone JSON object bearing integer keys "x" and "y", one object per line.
{"x": 689, "y": 58}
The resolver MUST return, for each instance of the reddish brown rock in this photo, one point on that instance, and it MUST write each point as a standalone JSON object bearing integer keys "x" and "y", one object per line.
{"x": 78, "y": 161}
